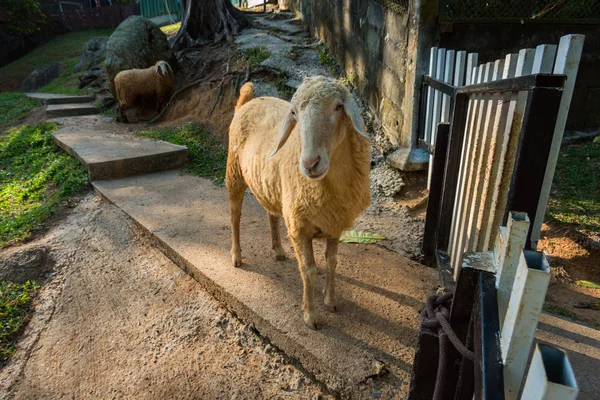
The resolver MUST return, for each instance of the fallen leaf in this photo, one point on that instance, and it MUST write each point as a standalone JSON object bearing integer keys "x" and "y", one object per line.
{"x": 353, "y": 236}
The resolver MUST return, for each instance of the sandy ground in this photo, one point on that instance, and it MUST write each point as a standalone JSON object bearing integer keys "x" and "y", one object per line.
{"x": 117, "y": 319}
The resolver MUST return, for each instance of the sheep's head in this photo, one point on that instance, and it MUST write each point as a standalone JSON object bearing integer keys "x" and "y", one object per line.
{"x": 163, "y": 68}
{"x": 325, "y": 112}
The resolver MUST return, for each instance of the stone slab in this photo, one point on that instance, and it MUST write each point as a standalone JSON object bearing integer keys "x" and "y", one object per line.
{"x": 50, "y": 98}
{"x": 408, "y": 159}
{"x": 70, "y": 110}
{"x": 380, "y": 294}
{"x": 107, "y": 155}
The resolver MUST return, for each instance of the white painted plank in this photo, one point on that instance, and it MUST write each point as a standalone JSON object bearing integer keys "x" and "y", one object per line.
{"x": 464, "y": 235}
{"x": 507, "y": 260}
{"x": 504, "y": 117}
{"x": 429, "y": 113}
{"x": 483, "y": 75}
{"x": 524, "y": 67}
{"x": 454, "y": 253}
{"x": 448, "y": 78}
{"x": 567, "y": 63}
{"x": 486, "y": 164}
{"x": 437, "y": 106}
{"x": 460, "y": 68}
{"x": 522, "y": 316}
{"x": 550, "y": 362}
{"x": 543, "y": 61}
{"x": 472, "y": 61}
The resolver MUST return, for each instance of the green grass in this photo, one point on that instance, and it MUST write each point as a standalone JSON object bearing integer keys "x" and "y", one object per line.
{"x": 327, "y": 60}
{"x": 34, "y": 176}
{"x": 256, "y": 55}
{"x": 67, "y": 82}
{"x": 282, "y": 87}
{"x": 14, "y": 107}
{"x": 171, "y": 29}
{"x": 60, "y": 49}
{"x": 575, "y": 199}
{"x": 15, "y": 307}
{"x": 207, "y": 156}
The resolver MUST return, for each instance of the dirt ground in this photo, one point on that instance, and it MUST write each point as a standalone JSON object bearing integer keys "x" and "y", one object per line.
{"x": 571, "y": 259}
{"x": 117, "y": 319}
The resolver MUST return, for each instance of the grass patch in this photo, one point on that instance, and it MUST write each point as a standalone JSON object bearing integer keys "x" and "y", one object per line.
{"x": 282, "y": 87}
{"x": 327, "y": 60}
{"x": 61, "y": 48}
{"x": 67, "y": 82}
{"x": 256, "y": 55}
{"x": 171, "y": 29}
{"x": 15, "y": 307}
{"x": 575, "y": 199}
{"x": 207, "y": 156}
{"x": 562, "y": 311}
{"x": 14, "y": 107}
{"x": 34, "y": 176}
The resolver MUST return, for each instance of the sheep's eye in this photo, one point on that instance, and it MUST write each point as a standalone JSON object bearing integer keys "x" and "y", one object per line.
{"x": 339, "y": 107}
{"x": 293, "y": 113}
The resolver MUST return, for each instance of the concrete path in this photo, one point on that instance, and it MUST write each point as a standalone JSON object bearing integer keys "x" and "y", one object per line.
{"x": 50, "y": 98}
{"x": 106, "y": 155}
{"x": 379, "y": 292}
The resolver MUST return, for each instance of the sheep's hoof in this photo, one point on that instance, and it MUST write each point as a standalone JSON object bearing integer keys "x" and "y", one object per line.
{"x": 331, "y": 307}
{"x": 237, "y": 261}
{"x": 310, "y": 320}
{"x": 280, "y": 257}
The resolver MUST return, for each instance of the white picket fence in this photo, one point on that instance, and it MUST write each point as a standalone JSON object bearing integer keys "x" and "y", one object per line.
{"x": 522, "y": 279}
{"x": 492, "y": 135}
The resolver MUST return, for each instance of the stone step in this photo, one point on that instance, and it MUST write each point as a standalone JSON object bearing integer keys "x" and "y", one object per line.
{"x": 50, "y": 98}
{"x": 108, "y": 156}
{"x": 71, "y": 110}
{"x": 380, "y": 293}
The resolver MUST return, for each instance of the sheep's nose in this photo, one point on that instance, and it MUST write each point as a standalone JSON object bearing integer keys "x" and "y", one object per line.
{"x": 310, "y": 163}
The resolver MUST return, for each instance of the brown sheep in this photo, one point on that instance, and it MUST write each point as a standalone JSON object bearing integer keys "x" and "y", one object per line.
{"x": 142, "y": 83}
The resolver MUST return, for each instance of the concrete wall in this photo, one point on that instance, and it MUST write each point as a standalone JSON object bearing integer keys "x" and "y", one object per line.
{"x": 493, "y": 40}
{"x": 372, "y": 44}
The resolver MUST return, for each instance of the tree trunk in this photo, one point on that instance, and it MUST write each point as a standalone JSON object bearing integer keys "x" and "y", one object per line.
{"x": 208, "y": 21}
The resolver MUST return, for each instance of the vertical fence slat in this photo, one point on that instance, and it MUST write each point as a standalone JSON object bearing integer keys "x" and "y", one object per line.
{"x": 429, "y": 113}
{"x": 567, "y": 63}
{"x": 475, "y": 76}
{"x": 448, "y": 78}
{"x": 524, "y": 67}
{"x": 437, "y": 96}
{"x": 543, "y": 61}
{"x": 459, "y": 70}
{"x": 476, "y": 133}
{"x": 472, "y": 60}
{"x": 483, "y": 170}
{"x": 522, "y": 316}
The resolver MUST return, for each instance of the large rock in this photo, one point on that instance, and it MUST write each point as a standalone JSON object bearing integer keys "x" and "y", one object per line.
{"x": 42, "y": 76}
{"x": 20, "y": 265}
{"x": 136, "y": 43}
{"x": 92, "y": 54}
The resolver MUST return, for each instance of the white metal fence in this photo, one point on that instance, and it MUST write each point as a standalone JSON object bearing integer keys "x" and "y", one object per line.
{"x": 491, "y": 136}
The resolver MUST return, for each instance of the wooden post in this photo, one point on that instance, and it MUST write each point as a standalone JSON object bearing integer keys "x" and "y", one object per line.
{"x": 522, "y": 316}
{"x": 550, "y": 376}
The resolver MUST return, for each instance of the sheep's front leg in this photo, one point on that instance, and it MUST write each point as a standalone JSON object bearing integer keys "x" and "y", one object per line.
{"x": 331, "y": 256}
{"x": 307, "y": 265}
{"x": 275, "y": 237}
{"x": 235, "y": 188}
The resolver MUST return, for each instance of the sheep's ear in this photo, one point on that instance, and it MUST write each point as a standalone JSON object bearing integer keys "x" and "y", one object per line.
{"x": 169, "y": 68}
{"x": 353, "y": 114}
{"x": 289, "y": 122}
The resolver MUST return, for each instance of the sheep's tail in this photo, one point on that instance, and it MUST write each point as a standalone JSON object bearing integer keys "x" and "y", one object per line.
{"x": 246, "y": 94}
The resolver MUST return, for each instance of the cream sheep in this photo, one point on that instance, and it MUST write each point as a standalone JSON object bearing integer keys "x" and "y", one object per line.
{"x": 132, "y": 84}
{"x": 307, "y": 160}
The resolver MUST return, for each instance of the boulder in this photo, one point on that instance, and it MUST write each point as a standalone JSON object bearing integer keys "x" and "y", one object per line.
{"x": 92, "y": 54}
{"x": 136, "y": 43}
{"x": 20, "y": 265}
{"x": 408, "y": 160}
{"x": 42, "y": 76}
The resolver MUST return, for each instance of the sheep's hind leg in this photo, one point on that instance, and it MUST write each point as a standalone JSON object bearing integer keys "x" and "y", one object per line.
{"x": 236, "y": 189}
{"x": 275, "y": 237}
{"x": 331, "y": 256}
{"x": 307, "y": 265}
